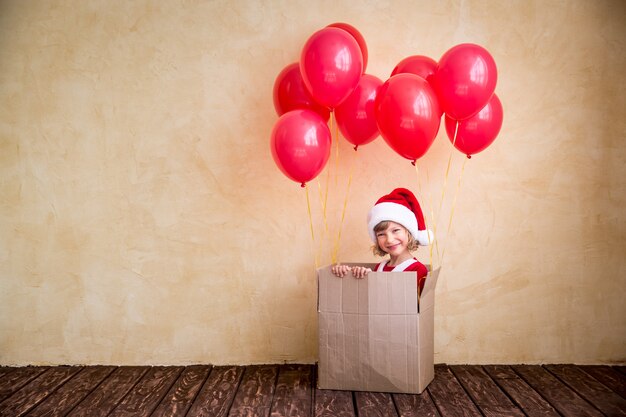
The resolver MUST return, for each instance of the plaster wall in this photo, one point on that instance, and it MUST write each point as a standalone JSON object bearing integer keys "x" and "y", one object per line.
{"x": 143, "y": 221}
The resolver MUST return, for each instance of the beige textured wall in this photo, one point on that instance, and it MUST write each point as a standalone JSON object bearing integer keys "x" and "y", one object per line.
{"x": 142, "y": 219}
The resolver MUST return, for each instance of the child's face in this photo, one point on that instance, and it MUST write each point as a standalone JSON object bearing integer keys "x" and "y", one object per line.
{"x": 394, "y": 240}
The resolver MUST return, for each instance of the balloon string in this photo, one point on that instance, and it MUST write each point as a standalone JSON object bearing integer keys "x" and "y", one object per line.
{"x": 343, "y": 212}
{"x": 336, "y": 136}
{"x": 325, "y": 230}
{"x": 443, "y": 190}
{"x": 434, "y": 247}
{"x": 325, "y": 197}
{"x": 445, "y": 180}
{"x": 308, "y": 205}
{"x": 419, "y": 186}
{"x": 456, "y": 193}
{"x": 456, "y": 131}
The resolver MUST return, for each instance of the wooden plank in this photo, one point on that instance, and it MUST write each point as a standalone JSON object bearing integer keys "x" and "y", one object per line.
{"x": 411, "y": 405}
{"x": 621, "y": 369}
{"x": 294, "y": 391}
{"x": 522, "y": 394}
{"x": 561, "y": 397}
{"x": 6, "y": 369}
{"x": 13, "y": 381}
{"x": 216, "y": 396}
{"x": 499, "y": 372}
{"x": 590, "y": 389}
{"x": 72, "y": 392}
{"x": 248, "y": 391}
{"x": 182, "y": 394}
{"x": 484, "y": 391}
{"x": 110, "y": 392}
{"x": 374, "y": 404}
{"x": 149, "y": 391}
{"x": 254, "y": 396}
{"x": 330, "y": 403}
{"x": 36, "y": 390}
{"x": 449, "y": 396}
{"x": 609, "y": 376}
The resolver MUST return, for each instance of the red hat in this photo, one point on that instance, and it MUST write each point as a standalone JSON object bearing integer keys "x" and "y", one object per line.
{"x": 400, "y": 206}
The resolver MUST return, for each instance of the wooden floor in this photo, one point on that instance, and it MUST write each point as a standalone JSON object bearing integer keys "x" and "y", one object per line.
{"x": 289, "y": 390}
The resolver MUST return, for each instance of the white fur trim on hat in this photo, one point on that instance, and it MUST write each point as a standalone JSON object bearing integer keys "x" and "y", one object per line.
{"x": 425, "y": 237}
{"x": 395, "y": 213}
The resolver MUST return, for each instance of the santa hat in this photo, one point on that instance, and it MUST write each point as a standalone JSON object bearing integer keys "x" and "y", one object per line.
{"x": 400, "y": 206}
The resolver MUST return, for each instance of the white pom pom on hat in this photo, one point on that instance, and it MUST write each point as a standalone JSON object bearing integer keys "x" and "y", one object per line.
{"x": 400, "y": 206}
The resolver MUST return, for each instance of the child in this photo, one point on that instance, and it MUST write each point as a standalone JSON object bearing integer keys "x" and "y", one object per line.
{"x": 396, "y": 225}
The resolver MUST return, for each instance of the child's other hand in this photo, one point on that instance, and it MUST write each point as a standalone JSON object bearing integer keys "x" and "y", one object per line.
{"x": 360, "y": 272}
{"x": 340, "y": 270}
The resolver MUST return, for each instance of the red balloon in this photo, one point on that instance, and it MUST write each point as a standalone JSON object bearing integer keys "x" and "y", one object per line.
{"x": 331, "y": 65}
{"x": 407, "y": 115}
{"x": 465, "y": 80}
{"x": 357, "y": 36}
{"x": 290, "y": 93}
{"x": 300, "y": 144}
{"x": 355, "y": 116}
{"x": 419, "y": 65}
{"x": 479, "y": 131}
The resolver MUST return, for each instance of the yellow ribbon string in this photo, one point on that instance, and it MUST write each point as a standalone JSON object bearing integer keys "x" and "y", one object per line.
{"x": 443, "y": 191}
{"x": 322, "y": 201}
{"x": 325, "y": 229}
{"x": 324, "y": 195}
{"x": 445, "y": 180}
{"x": 325, "y": 198}
{"x": 308, "y": 205}
{"x": 335, "y": 254}
{"x": 336, "y": 136}
{"x": 431, "y": 208}
{"x": 419, "y": 186}
{"x": 458, "y": 187}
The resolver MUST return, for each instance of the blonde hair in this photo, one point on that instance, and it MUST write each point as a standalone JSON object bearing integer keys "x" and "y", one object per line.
{"x": 412, "y": 244}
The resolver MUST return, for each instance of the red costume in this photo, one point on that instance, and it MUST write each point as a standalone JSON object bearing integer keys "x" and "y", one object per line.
{"x": 407, "y": 266}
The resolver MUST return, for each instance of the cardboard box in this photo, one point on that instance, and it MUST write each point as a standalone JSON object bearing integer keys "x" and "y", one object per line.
{"x": 373, "y": 333}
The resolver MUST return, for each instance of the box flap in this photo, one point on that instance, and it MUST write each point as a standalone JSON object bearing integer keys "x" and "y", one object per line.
{"x": 391, "y": 292}
{"x": 328, "y": 291}
{"x": 427, "y": 297}
{"x": 337, "y": 295}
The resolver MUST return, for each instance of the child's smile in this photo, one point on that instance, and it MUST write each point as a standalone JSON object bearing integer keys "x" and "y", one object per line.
{"x": 394, "y": 240}
{"x": 393, "y": 247}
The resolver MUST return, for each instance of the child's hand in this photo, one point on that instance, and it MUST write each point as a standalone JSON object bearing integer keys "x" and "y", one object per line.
{"x": 360, "y": 272}
{"x": 341, "y": 270}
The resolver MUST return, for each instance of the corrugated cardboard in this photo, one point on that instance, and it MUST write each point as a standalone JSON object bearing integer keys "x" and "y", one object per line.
{"x": 373, "y": 333}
